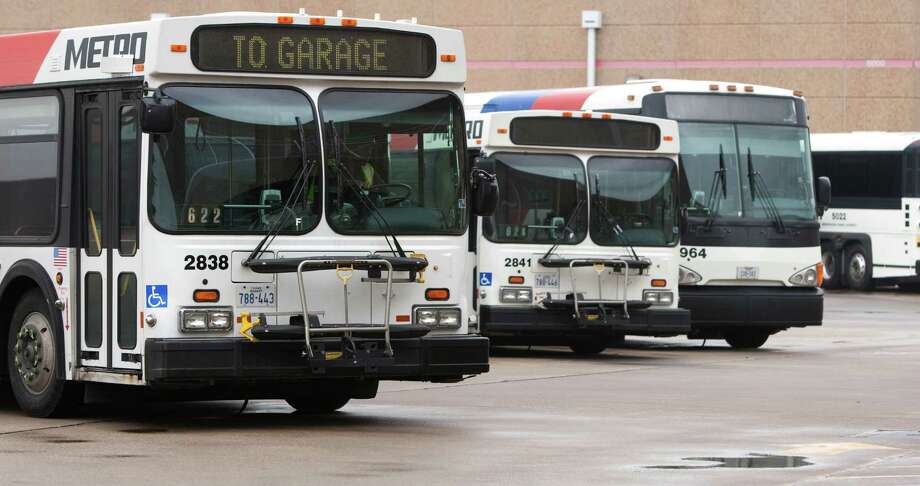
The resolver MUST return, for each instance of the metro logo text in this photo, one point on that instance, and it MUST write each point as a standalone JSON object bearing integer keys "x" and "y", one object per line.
{"x": 89, "y": 51}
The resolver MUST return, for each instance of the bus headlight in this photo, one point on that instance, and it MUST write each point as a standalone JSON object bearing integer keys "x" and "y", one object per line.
{"x": 440, "y": 317}
{"x": 809, "y": 277}
{"x": 658, "y": 297}
{"x": 194, "y": 319}
{"x": 516, "y": 295}
{"x": 688, "y": 277}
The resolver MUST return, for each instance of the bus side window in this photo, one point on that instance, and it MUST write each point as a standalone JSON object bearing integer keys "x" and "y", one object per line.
{"x": 95, "y": 182}
{"x": 128, "y": 181}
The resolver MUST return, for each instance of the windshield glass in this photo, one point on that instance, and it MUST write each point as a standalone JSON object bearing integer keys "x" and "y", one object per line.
{"x": 779, "y": 153}
{"x": 233, "y": 160}
{"x": 539, "y": 198}
{"x": 638, "y": 194}
{"x": 393, "y": 159}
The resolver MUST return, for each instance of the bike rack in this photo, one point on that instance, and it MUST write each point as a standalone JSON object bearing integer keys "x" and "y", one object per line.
{"x": 599, "y": 264}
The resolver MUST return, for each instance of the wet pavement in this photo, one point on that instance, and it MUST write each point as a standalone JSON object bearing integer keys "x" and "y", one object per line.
{"x": 833, "y": 405}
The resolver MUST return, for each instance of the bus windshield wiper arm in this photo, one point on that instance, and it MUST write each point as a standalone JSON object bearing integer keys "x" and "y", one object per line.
{"x": 568, "y": 222}
{"x": 617, "y": 229}
{"x": 759, "y": 185}
{"x": 346, "y": 176}
{"x": 306, "y": 170}
{"x": 718, "y": 185}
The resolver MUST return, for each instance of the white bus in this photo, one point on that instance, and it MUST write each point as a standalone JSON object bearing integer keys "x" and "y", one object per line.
{"x": 583, "y": 246}
{"x": 751, "y": 261}
{"x": 871, "y": 233}
{"x": 235, "y": 205}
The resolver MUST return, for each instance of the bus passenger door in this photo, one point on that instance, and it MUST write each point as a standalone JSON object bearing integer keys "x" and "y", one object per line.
{"x": 109, "y": 151}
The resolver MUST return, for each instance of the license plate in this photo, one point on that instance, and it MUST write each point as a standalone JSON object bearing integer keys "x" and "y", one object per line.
{"x": 546, "y": 280}
{"x": 748, "y": 273}
{"x": 255, "y": 295}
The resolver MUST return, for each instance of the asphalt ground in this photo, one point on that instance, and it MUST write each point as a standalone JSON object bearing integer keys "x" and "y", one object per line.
{"x": 837, "y": 404}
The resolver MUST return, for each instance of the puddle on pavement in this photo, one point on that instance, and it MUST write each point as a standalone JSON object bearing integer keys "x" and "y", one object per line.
{"x": 67, "y": 441}
{"x": 145, "y": 430}
{"x": 753, "y": 461}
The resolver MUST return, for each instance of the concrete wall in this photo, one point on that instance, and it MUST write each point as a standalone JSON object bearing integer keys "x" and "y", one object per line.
{"x": 858, "y": 61}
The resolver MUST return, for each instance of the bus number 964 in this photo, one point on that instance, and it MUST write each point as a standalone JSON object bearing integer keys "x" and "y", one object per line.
{"x": 692, "y": 252}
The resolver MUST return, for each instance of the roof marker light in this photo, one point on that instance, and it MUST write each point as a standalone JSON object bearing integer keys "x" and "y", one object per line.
{"x": 631, "y": 98}
{"x": 713, "y": 87}
{"x": 285, "y": 19}
{"x": 667, "y": 138}
{"x": 657, "y": 88}
{"x": 797, "y": 93}
{"x": 349, "y": 22}
{"x": 732, "y": 88}
{"x": 567, "y": 114}
{"x": 178, "y": 47}
{"x": 448, "y": 58}
{"x": 502, "y": 131}
{"x": 317, "y": 21}
{"x": 138, "y": 68}
{"x": 606, "y": 116}
{"x": 586, "y": 115}
{"x": 748, "y": 89}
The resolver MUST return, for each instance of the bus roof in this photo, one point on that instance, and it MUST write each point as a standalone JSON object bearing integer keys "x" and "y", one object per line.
{"x": 497, "y": 131}
{"x": 169, "y": 45}
{"x": 619, "y": 96}
{"x": 863, "y": 141}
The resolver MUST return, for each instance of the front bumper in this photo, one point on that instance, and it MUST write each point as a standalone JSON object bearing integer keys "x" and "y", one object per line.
{"x": 545, "y": 326}
{"x": 765, "y": 307}
{"x": 215, "y": 361}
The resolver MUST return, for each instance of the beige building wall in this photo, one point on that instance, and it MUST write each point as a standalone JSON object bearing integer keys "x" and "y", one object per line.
{"x": 857, "y": 61}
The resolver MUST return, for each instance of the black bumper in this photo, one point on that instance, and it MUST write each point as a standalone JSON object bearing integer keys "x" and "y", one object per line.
{"x": 764, "y": 307}
{"x": 238, "y": 361}
{"x": 544, "y": 326}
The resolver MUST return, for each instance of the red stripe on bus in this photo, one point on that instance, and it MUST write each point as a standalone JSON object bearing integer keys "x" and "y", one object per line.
{"x": 563, "y": 100}
{"x": 21, "y": 56}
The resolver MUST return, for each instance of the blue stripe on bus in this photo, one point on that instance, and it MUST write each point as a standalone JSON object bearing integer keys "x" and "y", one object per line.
{"x": 512, "y": 101}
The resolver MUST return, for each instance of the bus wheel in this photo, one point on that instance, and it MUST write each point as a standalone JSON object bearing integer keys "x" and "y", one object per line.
{"x": 831, "y": 258}
{"x": 318, "y": 403}
{"x": 587, "y": 348}
{"x": 858, "y": 268}
{"x": 33, "y": 361}
{"x": 746, "y": 339}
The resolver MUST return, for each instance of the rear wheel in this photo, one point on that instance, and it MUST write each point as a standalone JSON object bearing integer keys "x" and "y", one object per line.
{"x": 858, "y": 268}
{"x": 34, "y": 361}
{"x": 318, "y": 404}
{"x": 746, "y": 339}
{"x": 830, "y": 258}
{"x": 589, "y": 347}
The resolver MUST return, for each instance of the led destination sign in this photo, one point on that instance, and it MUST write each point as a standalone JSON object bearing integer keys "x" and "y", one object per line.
{"x": 281, "y": 49}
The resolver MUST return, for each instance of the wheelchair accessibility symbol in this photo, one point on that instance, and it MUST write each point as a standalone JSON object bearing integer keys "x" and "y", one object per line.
{"x": 157, "y": 296}
{"x": 485, "y": 279}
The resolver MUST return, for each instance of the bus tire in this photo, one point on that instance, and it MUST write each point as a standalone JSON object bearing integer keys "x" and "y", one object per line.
{"x": 319, "y": 403}
{"x": 858, "y": 268}
{"x": 34, "y": 360}
{"x": 831, "y": 260}
{"x": 746, "y": 339}
{"x": 589, "y": 347}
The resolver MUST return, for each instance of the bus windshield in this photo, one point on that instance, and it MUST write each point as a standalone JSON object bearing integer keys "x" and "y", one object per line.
{"x": 394, "y": 162}
{"x": 639, "y": 195}
{"x": 233, "y": 160}
{"x": 542, "y": 200}
{"x": 779, "y": 154}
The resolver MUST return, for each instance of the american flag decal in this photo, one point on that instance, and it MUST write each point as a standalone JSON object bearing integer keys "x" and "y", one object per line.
{"x": 59, "y": 257}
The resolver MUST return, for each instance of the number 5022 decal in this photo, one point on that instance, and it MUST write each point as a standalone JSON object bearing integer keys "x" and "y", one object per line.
{"x": 207, "y": 262}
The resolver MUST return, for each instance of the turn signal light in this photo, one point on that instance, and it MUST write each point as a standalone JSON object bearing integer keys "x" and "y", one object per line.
{"x": 667, "y": 138}
{"x": 448, "y": 58}
{"x": 206, "y": 295}
{"x": 502, "y": 130}
{"x": 820, "y": 274}
{"x": 178, "y": 47}
{"x": 516, "y": 279}
{"x": 403, "y": 318}
{"x": 437, "y": 294}
{"x": 659, "y": 282}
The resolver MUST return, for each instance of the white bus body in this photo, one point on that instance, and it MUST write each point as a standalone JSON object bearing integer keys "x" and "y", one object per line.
{"x": 552, "y": 223}
{"x": 288, "y": 122}
{"x": 745, "y": 275}
{"x": 871, "y": 233}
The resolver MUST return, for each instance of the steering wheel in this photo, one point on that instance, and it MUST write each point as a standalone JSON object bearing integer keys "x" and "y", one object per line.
{"x": 391, "y": 200}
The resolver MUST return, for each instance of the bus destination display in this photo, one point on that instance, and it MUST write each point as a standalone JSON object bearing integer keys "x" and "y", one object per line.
{"x": 313, "y": 50}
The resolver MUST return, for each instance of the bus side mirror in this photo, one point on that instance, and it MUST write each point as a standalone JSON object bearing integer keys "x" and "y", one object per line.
{"x": 822, "y": 195}
{"x": 158, "y": 114}
{"x": 484, "y": 192}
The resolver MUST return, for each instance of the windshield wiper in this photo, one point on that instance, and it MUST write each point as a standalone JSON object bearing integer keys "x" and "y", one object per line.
{"x": 718, "y": 182}
{"x": 611, "y": 219}
{"x": 306, "y": 170}
{"x": 567, "y": 229}
{"x": 343, "y": 173}
{"x": 758, "y": 185}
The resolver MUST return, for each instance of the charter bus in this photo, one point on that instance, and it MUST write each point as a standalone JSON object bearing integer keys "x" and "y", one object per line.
{"x": 583, "y": 246}
{"x": 750, "y": 255}
{"x": 236, "y": 205}
{"x": 871, "y": 233}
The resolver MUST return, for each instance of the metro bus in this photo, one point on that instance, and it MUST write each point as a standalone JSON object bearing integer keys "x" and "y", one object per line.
{"x": 583, "y": 246}
{"x": 236, "y": 205}
{"x": 751, "y": 260}
{"x": 871, "y": 233}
